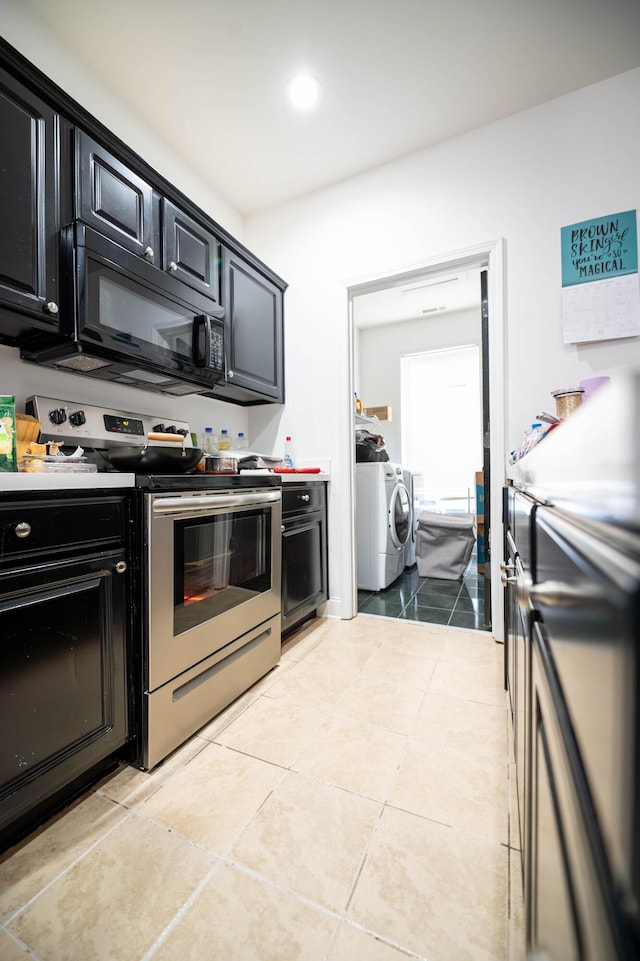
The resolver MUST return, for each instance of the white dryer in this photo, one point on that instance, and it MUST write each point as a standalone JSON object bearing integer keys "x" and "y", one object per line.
{"x": 414, "y": 483}
{"x": 383, "y": 524}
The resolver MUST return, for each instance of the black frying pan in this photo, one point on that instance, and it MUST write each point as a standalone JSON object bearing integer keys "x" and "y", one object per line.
{"x": 168, "y": 459}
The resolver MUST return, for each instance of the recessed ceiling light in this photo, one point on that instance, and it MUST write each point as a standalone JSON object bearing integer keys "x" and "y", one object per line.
{"x": 304, "y": 91}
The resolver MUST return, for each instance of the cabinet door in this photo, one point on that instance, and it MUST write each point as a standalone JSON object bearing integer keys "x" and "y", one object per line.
{"x": 63, "y": 695}
{"x": 510, "y": 620}
{"x": 253, "y": 329}
{"x": 303, "y": 569}
{"x": 190, "y": 252}
{"x": 28, "y": 203}
{"x": 113, "y": 199}
{"x": 574, "y": 911}
{"x": 587, "y": 594}
{"x": 554, "y": 920}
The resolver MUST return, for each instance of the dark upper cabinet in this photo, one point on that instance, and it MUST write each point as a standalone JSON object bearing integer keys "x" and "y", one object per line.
{"x": 113, "y": 199}
{"x": 29, "y": 208}
{"x": 122, "y": 206}
{"x": 253, "y": 329}
{"x": 190, "y": 252}
{"x": 54, "y": 170}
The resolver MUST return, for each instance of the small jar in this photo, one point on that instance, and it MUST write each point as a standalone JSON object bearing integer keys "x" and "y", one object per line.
{"x": 567, "y": 400}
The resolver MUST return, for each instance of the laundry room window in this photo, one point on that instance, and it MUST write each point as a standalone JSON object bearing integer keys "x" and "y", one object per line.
{"x": 441, "y": 430}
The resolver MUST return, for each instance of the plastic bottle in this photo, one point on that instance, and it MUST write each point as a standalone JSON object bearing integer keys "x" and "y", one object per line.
{"x": 209, "y": 441}
{"x": 224, "y": 442}
{"x": 289, "y": 459}
{"x": 532, "y": 437}
{"x": 241, "y": 442}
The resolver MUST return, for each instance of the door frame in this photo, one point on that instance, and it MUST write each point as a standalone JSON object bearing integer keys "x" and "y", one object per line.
{"x": 490, "y": 255}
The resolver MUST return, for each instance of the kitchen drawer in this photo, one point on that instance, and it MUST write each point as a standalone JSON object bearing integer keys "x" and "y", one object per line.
{"x": 30, "y": 527}
{"x": 305, "y": 497}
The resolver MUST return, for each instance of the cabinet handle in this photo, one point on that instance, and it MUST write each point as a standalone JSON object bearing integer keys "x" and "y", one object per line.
{"x": 303, "y": 497}
{"x": 558, "y": 594}
{"x": 148, "y": 252}
{"x": 51, "y": 307}
{"x": 282, "y": 528}
{"x": 229, "y": 373}
{"x": 121, "y": 567}
{"x": 173, "y": 266}
{"x": 509, "y": 568}
{"x": 23, "y": 529}
{"x": 507, "y": 579}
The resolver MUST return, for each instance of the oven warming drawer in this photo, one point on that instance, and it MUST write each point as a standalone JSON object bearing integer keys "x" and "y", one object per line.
{"x": 178, "y": 709}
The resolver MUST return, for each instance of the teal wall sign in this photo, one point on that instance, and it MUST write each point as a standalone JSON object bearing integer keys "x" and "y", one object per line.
{"x": 599, "y": 249}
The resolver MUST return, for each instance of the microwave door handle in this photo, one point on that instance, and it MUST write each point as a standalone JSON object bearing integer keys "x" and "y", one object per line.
{"x": 201, "y": 340}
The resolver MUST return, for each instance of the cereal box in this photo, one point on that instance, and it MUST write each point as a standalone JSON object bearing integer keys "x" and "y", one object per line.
{"x": 8, "y": 461}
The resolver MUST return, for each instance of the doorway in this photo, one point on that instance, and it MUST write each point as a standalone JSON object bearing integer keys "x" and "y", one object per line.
{"x": 436, "y": 279}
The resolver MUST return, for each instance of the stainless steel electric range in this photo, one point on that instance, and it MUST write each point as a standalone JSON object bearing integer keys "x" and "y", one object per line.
{"x": 205, "y": 555}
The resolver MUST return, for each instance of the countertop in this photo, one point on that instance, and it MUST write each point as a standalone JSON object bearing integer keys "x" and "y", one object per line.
{"x": 24, "y": 482}
{"x": 300, "y": 478}
{"x": 590, "y": 464}
{"x": 304, "y": 478}
{"x": 19, "y": 482}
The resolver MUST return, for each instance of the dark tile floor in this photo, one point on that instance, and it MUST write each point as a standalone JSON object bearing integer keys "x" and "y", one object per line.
{"x": 431, "y": 600}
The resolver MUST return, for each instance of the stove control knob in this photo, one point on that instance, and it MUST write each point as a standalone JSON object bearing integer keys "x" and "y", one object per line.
{"x": 159, "y": 429}
{"x": 182, "y": 431}
{"x": 58, "y": 415}
{"x": 77, "y": 418}
{"x": 171, "y": 429}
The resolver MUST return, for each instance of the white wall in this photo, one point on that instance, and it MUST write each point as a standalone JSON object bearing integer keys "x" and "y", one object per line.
{"x": 378, "y": 367}
{"x": 522, "y": 179}
{"x": 22, "y": 379}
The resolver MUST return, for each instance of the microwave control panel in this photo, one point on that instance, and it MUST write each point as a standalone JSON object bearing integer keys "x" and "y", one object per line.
{"x": 216, "y": 349}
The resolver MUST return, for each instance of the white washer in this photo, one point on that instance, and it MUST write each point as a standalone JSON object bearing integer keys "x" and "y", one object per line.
{"x": 383, "y": 524}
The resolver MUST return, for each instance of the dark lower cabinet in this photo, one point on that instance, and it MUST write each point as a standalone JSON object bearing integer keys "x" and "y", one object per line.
{"x": 574, "y": 909}
{"x": 63, "y": 665}
{"x": 555, "y": 923}
{"x": 304, "y": 552}
{"x": 572, "y": 668}
{"x": 518, "y": 515}
{"x": 29, "y": 152}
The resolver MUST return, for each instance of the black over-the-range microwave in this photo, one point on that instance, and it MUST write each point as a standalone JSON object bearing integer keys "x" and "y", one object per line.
{"x": 128, "y": 322}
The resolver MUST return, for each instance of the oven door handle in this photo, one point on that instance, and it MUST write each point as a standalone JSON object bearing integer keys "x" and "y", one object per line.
{"x": 212, "y": 503}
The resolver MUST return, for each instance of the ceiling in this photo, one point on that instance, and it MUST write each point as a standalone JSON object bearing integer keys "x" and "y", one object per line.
{"x": 420, "y": 298}
{"x": 209, "y": 76}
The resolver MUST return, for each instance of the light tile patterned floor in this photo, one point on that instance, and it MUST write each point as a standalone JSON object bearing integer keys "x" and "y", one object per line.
{"x": 354, "y": 805}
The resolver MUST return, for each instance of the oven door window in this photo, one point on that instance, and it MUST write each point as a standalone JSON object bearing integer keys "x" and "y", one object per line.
{"x": 136, "y": 320}
{"x": 220, "y": 562}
